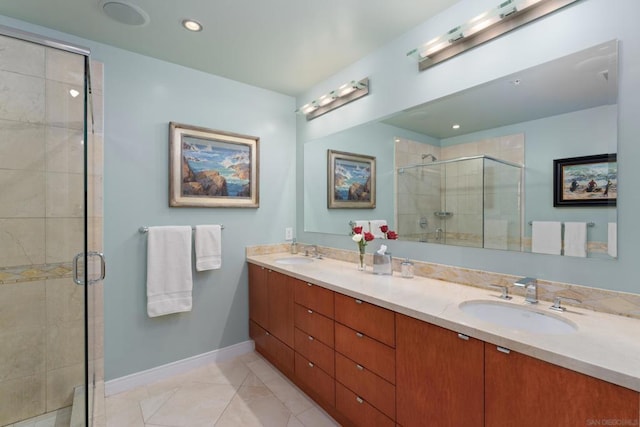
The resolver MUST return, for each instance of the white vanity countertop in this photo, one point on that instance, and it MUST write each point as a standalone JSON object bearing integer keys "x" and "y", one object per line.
{"x": 605, "y": 346}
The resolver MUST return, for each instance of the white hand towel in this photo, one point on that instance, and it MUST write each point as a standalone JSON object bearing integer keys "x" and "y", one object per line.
{"x": 169, "y": 281}
{"x": 362, "y": 223}
{"x": 612, "y": 241}
{"x": 575, "y": 239}
{"x": 546, "y": 237}
{"x": 208, "y": 247}
{"x": 375, "y": 225}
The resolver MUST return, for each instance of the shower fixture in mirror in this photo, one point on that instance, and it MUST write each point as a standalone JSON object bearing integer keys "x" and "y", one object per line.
{"x": 475, "y": 168}
{"x": 505, "y": 17}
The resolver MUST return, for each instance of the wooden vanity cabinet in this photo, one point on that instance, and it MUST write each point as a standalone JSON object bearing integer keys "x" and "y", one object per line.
{"x": 439, "y": 376}
{"x": 271, "y": 312}
{"x": 524, "y": 391}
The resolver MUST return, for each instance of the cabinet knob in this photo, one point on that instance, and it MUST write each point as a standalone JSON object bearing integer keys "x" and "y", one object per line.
{"x": 310, "y": 311}
{"x": 310, "y": 338}
{"x": 359, "y": 399}
{"x": 358, "y": 301}
{"x": 267, "y": 333}
{"x": 310, "y": 365}
{"x": 309, "y": 284}
{"x": 359, "y": 367}
{"x": 463, "y": 337}
{"x": 359, "y": 335}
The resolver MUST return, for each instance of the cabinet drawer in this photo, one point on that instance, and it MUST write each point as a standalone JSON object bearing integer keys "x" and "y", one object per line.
{"x": 314, "y": 324}
{"x": 358, "y": 410}
{"x": 318, "y": 353}
{"x": 316, "y": 379}
{"x": 374, "y": 321}
{"x": 272, "y": 348}
{"x": 369, "y": 353}
{"x": 259, "y": 336}
{"x": 314, "y": 297}
{"x": 370, "y": 387}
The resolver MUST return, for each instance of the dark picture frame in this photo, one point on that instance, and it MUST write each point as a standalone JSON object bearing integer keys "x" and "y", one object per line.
{"x": 585, "y": 181}
{"x": 212, "y": 168}
{"x": 351, "y": 180}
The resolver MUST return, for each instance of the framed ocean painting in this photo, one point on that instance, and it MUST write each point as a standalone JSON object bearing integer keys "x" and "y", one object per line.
{"x": 211, "y": 168}
{"x": 351, "y": 180}
{"x": 586, "y": 181}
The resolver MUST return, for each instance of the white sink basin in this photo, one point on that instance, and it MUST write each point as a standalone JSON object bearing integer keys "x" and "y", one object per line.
{"x": 294, "y": 260}
{"x": 516, "y": 317}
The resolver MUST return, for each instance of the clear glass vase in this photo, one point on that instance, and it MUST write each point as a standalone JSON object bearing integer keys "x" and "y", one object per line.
{"x": 361, "y": 260}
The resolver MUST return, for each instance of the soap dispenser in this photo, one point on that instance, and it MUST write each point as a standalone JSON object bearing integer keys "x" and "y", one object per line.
{"x": 294, "y": 247}
{"x": 406, "y": 269}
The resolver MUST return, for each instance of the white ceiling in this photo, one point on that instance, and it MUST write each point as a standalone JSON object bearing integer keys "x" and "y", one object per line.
{"x": 283, "y": 45}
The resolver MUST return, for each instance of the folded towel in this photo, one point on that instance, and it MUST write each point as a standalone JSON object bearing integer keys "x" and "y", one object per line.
{"x": 575, "y": 239}
{"x": 546, "y": 237}
{"x": 208, "y": 247}
{"x": 496, "y": 234}
{"x": 169, "y": 281}
{"x": 612, "y": 241}
{"x": 375, "y": 225}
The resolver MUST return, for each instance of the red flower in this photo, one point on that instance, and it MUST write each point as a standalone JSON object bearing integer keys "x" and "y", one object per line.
{"x": 357, "y": 230}
{"x": 392, "y": 235}
{"x": 384, "y": 228}
{"x": 368, "y": 236}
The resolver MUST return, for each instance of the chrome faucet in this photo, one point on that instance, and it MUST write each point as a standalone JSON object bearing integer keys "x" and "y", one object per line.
{"x": 530, "y": 285}
{"x": 314, "y": 248}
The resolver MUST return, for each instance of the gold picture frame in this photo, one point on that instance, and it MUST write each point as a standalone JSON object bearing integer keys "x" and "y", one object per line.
{"x": 212, "y": 168}
{"x": 351, "y": 180}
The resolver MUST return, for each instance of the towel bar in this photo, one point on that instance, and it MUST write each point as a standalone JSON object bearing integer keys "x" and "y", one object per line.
{"x": 146, "y": 229}
{"x": 589, "y": 224}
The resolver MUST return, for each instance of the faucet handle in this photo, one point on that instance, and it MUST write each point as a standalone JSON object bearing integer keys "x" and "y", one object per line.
{"x": 505, "y": 291}
{"x": 558, "y": 300}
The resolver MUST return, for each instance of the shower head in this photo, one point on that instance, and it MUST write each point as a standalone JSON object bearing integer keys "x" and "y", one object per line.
{"x": 433, "y": 158}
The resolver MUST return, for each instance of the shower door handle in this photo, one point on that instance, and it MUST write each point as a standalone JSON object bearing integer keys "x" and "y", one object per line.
{"x": 76, "y": 270}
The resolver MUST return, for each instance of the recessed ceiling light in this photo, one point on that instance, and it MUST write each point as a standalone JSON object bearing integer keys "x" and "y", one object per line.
{"x": 74, "y": 93}
{"x": 456, "y": 126}
{"x": 192, "y": 25}
{"x": 124, "y": 12}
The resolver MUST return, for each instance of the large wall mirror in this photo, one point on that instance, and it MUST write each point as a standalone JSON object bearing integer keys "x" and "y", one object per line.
{"x": 476, "y": 168}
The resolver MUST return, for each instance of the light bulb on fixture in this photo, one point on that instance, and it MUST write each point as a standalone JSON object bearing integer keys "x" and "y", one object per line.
{"x": 336, "y": 98}
{"x": 192, "y": 25}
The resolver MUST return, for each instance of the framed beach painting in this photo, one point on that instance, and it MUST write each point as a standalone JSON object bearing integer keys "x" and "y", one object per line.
{"x": 351, "y": 180}
{"x": 211, "y": 168}
{"x": 585, "y": 181}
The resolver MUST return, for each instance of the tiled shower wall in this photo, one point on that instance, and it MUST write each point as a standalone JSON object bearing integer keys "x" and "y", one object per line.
{"x": 41, "y": 226}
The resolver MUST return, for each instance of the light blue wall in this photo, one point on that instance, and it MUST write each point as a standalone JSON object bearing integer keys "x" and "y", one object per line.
{"x": 142, "y": 95}
{"x": 397, "y": 85}
{"x": 372, "y": 139}
{"x": 581, "y": 133}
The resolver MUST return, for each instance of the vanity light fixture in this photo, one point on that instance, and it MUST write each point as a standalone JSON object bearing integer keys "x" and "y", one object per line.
{"x": 336, "y": 98}
{"x": 192, "y": 25}
{"x": 493, "y": 23}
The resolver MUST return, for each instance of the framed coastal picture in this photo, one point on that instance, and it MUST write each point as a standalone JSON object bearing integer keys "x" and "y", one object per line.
{"x": 351, "y": 180}
{"x": 585, "y": 181}
{"x": 211, "y": 168}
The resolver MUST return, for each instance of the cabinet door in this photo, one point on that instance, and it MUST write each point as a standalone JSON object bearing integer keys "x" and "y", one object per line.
{"x": 280, "y": 306}
{"x": 258, "y": 295}
{"x": 439, "y": 376}
{"x": 522, "y": 391}
{"x": 376, "y": 322}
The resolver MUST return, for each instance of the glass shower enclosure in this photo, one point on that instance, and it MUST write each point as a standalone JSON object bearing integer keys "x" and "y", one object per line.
{"x": 469, "y": 201}
{"x": 50, "y": 232}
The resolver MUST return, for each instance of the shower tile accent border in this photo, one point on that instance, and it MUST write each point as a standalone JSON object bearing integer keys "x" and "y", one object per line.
{"x": 32, "y": 273}
{"x": 601, "y": 300}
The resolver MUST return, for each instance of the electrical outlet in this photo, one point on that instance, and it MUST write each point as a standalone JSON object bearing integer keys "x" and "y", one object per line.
{"x": 288, "y": 233}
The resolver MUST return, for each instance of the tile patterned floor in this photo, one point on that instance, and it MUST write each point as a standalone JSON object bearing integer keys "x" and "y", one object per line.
{"x": 245, "y": 391}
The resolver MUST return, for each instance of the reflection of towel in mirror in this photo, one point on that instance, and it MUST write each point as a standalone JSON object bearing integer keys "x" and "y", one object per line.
{"x": 208, "y": 247}
{"x": 612, "y": 241}
{"x": 546, "y": 237}
{"x": 575, "y": 239}
{"x": 375, "y": 225}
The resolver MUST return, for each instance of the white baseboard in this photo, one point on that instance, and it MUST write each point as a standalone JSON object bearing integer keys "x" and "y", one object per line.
{"x": 141, "y": 378}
